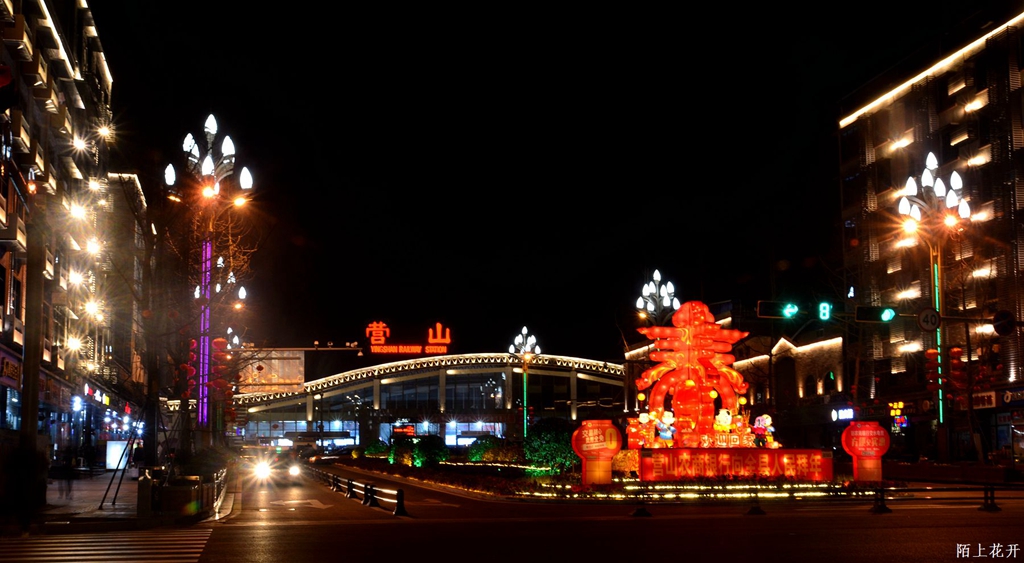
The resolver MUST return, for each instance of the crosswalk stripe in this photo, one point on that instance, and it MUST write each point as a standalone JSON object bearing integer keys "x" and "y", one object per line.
{"x": 145, "y": 546}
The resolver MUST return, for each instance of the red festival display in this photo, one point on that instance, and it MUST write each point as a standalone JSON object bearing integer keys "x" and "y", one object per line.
{"x": 597, "y": 442}
{"x": 695, "y": 401}
{"x": 866, "y": 442}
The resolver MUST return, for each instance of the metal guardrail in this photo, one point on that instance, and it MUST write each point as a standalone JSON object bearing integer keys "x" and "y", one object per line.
{"x": 368, "y": 493}
{"x": 878, "y": 498}
{"x": 881, "y": 497}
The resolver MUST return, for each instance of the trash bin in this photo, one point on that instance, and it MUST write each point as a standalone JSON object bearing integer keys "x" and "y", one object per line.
{"x": 180, "y": 496}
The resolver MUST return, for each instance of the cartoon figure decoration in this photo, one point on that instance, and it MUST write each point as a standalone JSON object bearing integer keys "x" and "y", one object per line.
{"x": 723, "y": 421}
{"x": 694, "y": 370}
{"x": 666, "y": 430}
{"x": 763, "y": 430}
{"x": 640, "y": 432}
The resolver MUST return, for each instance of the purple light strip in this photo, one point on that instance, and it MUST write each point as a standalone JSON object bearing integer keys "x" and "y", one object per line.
{"x": 204, "y": 334}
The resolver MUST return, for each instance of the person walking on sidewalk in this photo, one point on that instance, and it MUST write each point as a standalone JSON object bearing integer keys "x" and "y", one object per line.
{"x": 67, "y": 475}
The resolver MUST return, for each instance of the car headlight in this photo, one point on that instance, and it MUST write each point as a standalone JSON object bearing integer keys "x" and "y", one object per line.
{"x": 293, "y": 470}
{"x": 262, "y": 470}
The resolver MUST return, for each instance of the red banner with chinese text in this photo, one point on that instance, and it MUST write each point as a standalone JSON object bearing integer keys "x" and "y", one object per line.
{"x": 673, "y": 464}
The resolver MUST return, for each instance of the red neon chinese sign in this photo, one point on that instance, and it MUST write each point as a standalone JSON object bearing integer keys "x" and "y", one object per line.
{"x": 438, "y": 339}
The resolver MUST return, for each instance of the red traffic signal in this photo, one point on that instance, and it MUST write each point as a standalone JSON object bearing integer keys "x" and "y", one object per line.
{"x": 931, "y": 365}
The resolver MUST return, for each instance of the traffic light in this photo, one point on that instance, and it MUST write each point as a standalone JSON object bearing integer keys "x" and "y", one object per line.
{"x": 824, "y": 311}
{"x": 957, "y": 373}
{"x": 931, "y": 369}
{"x": 866, "y": 314}
{"x": 777, "y": 309}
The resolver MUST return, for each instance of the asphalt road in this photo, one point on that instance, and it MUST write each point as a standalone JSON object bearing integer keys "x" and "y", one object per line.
{"x": 310, "y": 522}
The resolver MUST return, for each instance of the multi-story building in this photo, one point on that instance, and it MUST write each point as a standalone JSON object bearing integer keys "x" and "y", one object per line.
{"x": 947, "y": 281}
{"x": 66, "y": 347}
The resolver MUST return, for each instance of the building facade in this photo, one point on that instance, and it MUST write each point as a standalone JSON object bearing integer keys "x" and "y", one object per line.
{"x": 945, "y": 142}
{"x": 67, "y": 338}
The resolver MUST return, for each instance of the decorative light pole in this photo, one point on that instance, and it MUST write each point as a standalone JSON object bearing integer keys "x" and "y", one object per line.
{"x": 525, "y": 346}
{"x": 934, "y": 216}
{"x": 657, "y": 301}
{"x": 210, "y": 167}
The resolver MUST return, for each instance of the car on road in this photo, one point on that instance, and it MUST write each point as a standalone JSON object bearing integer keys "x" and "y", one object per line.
{"x": 270, "y": 465}
{"x": 331, "y": 456}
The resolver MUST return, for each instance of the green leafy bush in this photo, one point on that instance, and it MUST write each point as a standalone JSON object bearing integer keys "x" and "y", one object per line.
{"x": 401, "y": 452}
{"x": 549, "y": 444}
{"x": 375, "y": 448}
{"x": 428, "y": 451}
{"x": 481, "y": 446}
{"x": 505, "y": 453}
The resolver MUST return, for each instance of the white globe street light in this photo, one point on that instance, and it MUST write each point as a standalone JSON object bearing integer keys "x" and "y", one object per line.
{"x": 934, "y": 214}
{"x": 656, "y": 299}
{"x": 525, "y": 346}
{"x": 209, "y": 167}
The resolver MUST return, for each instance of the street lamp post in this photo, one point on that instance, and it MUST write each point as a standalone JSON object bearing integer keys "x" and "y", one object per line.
{"x": 320, "y": 425}
{"x": 525, "y": 346}
{"x": 657, "y": 301}
{"x": 933, "y": 216}
{"x": 209, "y": 167}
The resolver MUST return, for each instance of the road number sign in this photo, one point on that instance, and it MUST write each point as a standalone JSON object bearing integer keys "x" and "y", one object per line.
{"x": 928, "y": 319}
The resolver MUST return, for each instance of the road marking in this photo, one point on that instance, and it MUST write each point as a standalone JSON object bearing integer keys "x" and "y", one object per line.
{"x": 180, "y": 546}
{"x": 311, "y": 502}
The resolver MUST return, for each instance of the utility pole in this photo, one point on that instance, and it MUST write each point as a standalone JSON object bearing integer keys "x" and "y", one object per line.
{"x": 30, "y": 463}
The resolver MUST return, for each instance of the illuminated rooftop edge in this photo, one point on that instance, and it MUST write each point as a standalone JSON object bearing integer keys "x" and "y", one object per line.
{"x": 496, "y": 361}
{"x": 891, "y": 96}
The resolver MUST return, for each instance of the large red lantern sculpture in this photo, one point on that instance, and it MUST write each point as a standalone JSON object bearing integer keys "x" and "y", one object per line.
{"x": 681, "y": 436}
{"x": 694, "y": 370}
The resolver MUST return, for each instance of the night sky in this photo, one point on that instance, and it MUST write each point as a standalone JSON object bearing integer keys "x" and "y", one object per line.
{"x": 489, "y": 169}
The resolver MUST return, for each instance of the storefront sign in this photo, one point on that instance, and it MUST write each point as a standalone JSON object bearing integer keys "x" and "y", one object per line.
{"x": 842, "y": 414}
{"x": 671, "y": 464}
{"x": 986, "y": 400}
{"x": 1012, "y": 396}
{"x": 12, "y": 370}
{"x": 438, "y": 339}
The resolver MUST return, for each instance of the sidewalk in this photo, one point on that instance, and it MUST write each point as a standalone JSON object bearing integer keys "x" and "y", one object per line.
{"x": 105, "y": 502}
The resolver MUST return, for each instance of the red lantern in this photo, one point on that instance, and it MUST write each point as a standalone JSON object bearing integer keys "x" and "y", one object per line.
{"x": 219, "y": 343}
{"x": 259, "y": 367}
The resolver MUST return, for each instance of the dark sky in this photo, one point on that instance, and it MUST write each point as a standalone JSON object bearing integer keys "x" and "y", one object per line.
{"x": 493, "y": 169}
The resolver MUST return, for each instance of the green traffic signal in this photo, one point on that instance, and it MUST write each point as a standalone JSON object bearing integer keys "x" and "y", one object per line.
{"x": 777, "y": 309}
{"x": 824, "y": 310}
{"x": 871, "y": 314}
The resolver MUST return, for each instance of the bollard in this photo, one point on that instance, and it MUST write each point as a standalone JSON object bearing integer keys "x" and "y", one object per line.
{"x": 400, "y": 503}
{"x": 370, "y": 498}
{"x": 335, "y": 485}
{"x": 145, "y": 495}
{"x": 641, "y": 510}
{"x": 351, "y": 491}
{"x": 879, "y": 506}
{"x": 989, "y": 503}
